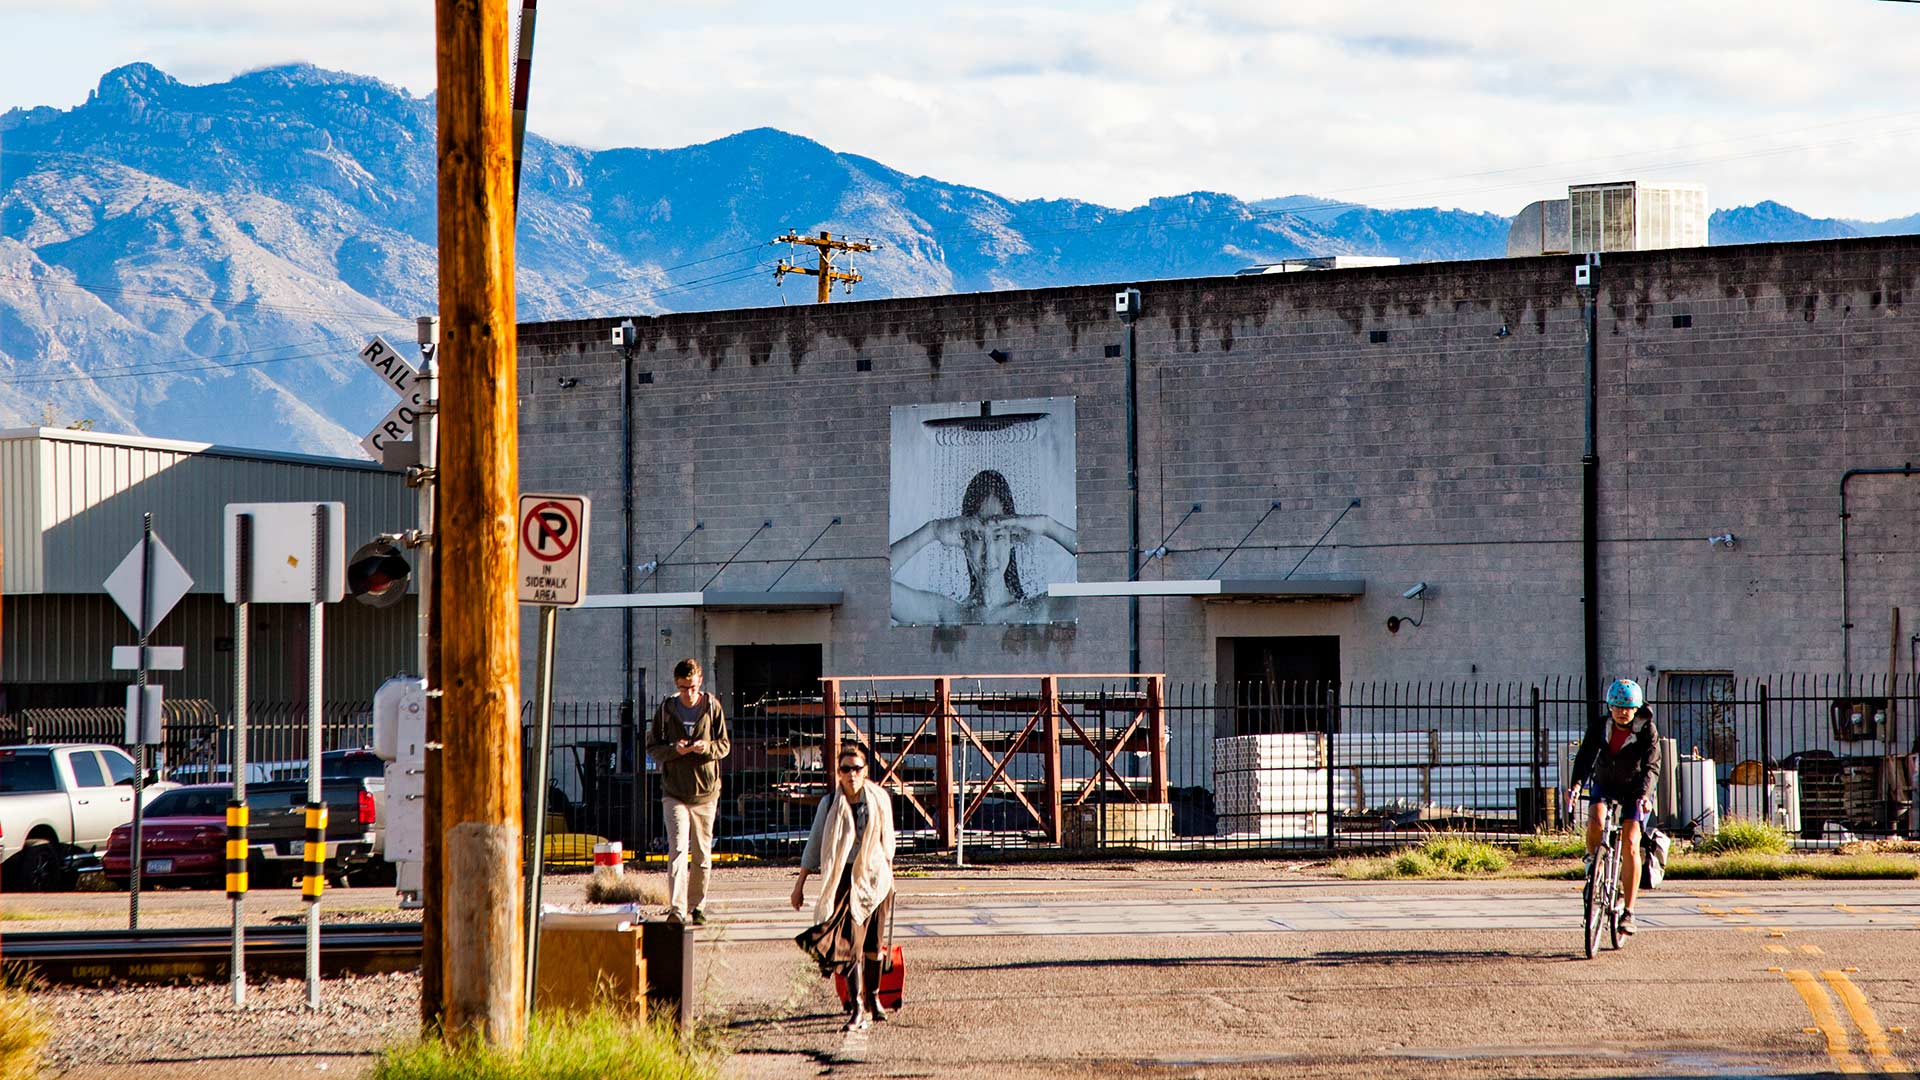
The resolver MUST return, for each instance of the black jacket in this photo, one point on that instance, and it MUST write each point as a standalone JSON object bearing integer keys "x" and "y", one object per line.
{"x": 1635, "y": 770}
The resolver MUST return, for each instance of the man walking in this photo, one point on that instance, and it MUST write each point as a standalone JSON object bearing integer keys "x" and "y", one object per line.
{"x": 687, "y": 739}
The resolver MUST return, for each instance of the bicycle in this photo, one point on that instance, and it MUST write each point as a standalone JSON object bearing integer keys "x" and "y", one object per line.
{"x": 1602, "y": 892}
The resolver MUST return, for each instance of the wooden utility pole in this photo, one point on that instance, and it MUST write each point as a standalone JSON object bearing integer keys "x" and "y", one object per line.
{"x": 481, "y": 955}
{"x": 825, "y": 271}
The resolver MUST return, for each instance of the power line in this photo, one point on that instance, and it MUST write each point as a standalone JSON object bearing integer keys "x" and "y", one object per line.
{"x": 221, "y": 356}
{"x": 174, "y": 298}
{"x": 636, "y": 272}
{"x": 31, "y": 380}
{"x": 718, "y": 278}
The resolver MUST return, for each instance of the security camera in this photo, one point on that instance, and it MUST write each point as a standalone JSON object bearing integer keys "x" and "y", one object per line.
{"x": 1414, "y": 593}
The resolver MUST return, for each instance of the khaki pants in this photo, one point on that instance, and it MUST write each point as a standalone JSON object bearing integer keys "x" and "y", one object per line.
{"x": 689, "y": 833}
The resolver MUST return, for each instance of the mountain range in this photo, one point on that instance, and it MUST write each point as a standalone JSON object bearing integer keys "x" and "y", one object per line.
{"x": 202, "y": 262}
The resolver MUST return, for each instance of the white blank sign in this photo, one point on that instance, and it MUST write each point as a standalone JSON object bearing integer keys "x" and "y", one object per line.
{"x": 284, "y": 553}
{"x": 159, "y": 657}
{"x": 150, "y": 734}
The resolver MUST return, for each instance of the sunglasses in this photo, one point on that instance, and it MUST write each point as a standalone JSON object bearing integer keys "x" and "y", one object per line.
{"x": 851, "y": 768}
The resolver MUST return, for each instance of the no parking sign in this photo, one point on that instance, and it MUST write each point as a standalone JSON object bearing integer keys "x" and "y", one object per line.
{"x": 553, "y": 549}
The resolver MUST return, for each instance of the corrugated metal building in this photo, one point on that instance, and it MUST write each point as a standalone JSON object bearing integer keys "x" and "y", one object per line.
{"x": 70, "y": 510}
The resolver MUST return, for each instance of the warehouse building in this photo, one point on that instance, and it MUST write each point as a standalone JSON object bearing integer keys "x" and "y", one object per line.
{"x": 71, "y": 508}
{"x": 812, "y": 486}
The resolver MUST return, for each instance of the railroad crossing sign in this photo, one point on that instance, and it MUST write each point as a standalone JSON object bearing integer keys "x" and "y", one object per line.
{"x": 393, "y": 369}
{"x": 553, "y": 549}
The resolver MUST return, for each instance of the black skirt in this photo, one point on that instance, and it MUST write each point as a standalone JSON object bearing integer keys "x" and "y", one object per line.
{"x": 837, "y": 942}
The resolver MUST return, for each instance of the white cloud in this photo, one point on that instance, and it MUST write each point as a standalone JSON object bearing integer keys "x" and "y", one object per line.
{"x": 1485, "y": 105}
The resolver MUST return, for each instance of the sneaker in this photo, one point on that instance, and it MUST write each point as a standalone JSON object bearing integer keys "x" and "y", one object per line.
{"x": 699, "y": 916}
{"x": 1626, "y": 924}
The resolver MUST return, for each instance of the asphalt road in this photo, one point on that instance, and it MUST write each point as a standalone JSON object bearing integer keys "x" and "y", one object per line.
{"x": 1174, "y": 976}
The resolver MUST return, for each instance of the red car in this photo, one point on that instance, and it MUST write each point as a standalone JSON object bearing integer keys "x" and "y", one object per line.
{"x": 183, "y": 839}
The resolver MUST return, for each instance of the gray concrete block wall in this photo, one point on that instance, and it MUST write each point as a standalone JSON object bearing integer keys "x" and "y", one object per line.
{"x": 1462, "y": 444}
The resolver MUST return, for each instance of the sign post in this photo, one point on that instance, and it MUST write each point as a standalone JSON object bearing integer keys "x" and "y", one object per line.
{"x": 553, "y": 575}
{"x": 240, "y": 584}
{"x": 293, "y": 553}
{"x": 146, "y": 585}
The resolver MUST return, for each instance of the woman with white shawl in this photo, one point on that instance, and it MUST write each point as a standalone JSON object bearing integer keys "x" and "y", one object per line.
{"x": 851, "y": 848}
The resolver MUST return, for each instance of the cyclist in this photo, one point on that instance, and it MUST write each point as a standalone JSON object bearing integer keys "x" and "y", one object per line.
{"x": 1620, "y": 754}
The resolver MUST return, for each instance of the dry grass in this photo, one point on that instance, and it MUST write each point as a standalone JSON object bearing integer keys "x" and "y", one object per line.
{"x": 1880, "y": 847}
{"x": 627, "y": 889}
{"x": 601, "y": 1045}
{"x": 1760, "y": 866}
{"x": 22, "y": 1033}
{"x": 1560, "y": 845}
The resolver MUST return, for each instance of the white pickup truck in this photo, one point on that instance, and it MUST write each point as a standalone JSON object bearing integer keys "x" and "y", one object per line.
{"x": 58, "y": 805}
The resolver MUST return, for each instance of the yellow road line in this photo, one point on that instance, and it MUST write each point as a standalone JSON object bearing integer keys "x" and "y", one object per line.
{"x": 1820, "y": 1005}
{"x": 1775, "y": 948}
{"x": 1855, "y": 1000}
{"x": 1810, "y": 950}
{"x": 1743, "y": 911}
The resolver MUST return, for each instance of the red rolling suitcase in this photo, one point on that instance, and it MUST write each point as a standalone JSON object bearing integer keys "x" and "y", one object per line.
{"x": 893, "y": 973}
{"x": 893, "y": 978}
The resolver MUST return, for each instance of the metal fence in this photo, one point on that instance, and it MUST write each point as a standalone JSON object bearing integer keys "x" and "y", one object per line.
{"x": 1273, "y": 765}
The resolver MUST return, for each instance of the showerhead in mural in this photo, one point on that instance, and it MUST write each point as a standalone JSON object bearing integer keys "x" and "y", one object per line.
{"x": 983, "y": 512}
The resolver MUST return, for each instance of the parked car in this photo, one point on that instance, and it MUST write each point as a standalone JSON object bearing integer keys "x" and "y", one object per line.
{"x": 58, "y": 805}
{"x": 363, "y": 764}
{"x": 184, "y": 835}
{"x": 277, "y": 835}
{"x": 183, "y": 839}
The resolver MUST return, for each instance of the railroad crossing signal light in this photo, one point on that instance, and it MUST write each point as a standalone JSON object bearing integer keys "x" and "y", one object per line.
{"x": 377, "y": 575}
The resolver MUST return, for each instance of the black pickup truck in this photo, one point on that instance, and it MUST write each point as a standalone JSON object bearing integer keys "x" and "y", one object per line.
{"x": 278, "y": 833}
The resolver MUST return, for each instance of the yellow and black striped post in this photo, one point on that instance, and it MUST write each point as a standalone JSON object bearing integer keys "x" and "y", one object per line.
{"x": 316, "y": 853}
{"x": 236, "y": 850}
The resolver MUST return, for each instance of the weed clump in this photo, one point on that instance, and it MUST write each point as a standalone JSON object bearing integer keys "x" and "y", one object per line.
{"x": 627, "y": 889}
{"x": 1463, "y": 856}
{"x": 23, "y": 1031}
{"x": 1739, "y": 835}
{"x": 601, "y": 1045}
{"x": 1564, "y": 845}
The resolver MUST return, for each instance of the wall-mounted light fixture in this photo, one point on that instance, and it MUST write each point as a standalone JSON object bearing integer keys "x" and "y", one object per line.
{"x": 1730, "y": 540}
{"x": 1417, "y": 591}
{"x": 568, "y": 382}
{"x": 1000, "y": 356}
{"x": 1503, "y": 331}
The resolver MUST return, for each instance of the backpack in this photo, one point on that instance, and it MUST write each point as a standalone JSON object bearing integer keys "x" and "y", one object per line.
{"x": 1654, "y": 846}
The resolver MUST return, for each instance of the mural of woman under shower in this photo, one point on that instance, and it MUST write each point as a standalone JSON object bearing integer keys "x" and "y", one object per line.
{"x": 984, "y": 512}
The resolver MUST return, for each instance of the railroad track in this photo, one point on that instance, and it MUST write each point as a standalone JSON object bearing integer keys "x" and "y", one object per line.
{"x": 203, "y": 953}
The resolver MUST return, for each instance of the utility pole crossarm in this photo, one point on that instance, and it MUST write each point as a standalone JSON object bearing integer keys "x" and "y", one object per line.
{"x": 828, "y": 247}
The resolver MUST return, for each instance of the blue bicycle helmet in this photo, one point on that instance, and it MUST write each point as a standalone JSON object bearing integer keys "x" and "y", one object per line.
{"x": 1625, "y": 694}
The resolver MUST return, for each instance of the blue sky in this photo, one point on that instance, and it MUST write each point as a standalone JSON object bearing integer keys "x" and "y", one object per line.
{"x": 1485, "y": 105}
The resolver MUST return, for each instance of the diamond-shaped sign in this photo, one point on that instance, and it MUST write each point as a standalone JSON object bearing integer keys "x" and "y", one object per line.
{"x": 170, "y": 583}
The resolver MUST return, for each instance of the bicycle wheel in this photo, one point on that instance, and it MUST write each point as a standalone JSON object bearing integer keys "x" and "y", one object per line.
{"x": 1596, "y": 900}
